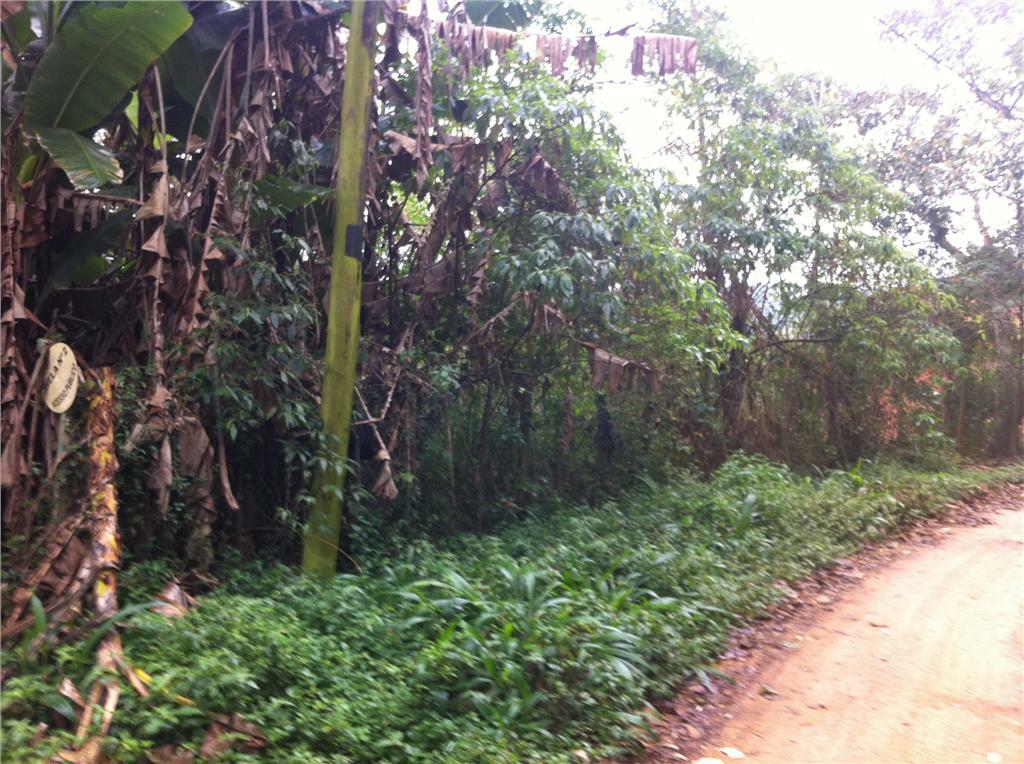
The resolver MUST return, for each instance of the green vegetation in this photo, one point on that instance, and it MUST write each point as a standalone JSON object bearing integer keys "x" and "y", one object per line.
{"x": 561, "y": 357}
{"x": 521, "y": 646}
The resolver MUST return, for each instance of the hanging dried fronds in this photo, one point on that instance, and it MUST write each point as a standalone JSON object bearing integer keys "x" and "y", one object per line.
{"x": 196, "y": 462}
{"x": 539, "y": 177}
{"x": 672, "y": 52}
{"x": 424, "y": 105}
{"x": 554, "y": 50}
{"x": 478, "y": 279}
{"x": 473, "y": 45}
{"x": 615, "y": 373}
{"x": 585, "y": 53}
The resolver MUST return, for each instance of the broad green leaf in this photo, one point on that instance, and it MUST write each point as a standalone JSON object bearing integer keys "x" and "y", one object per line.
{"x": 133, "y": 110}
{"x": 87, "y": 164}
{"x": 279, "y": 196}
{"x": 87, "y": 256}
{"x": 188, "y": 68}
{"x": 96, "y": 58}
{"x": 28, "y": 168}
{"x": 19, "y": 28}
{"x": 498, "y": 13}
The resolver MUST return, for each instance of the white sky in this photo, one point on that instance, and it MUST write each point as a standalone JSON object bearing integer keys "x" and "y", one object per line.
{"x": 839, "y": 38}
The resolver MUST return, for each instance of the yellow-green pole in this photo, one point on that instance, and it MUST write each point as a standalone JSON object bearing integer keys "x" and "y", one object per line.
{"x": 323, "y": 531}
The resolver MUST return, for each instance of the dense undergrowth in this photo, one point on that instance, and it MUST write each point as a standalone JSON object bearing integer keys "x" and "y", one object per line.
{"x": 526, "y": 645}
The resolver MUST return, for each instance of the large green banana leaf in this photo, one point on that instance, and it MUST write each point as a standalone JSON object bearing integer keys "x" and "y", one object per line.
{"x": 96, "y": 58}
{"x": 87, "y": 164}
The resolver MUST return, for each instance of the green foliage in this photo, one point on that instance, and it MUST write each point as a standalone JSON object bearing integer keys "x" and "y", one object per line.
{"x": 522, "y": 646}
{"x": 761, "y": 284}
{"x": 96, "y": 58}
{"x": 87, "y": 164}
{"x": 960, "y": 164}
{"x": 765, "y": 285}
{"x": 985, "y": 404}
{"x": 277, "y": 197}
{"x": 256, "y": 386}
{"x": 838, "y": 339}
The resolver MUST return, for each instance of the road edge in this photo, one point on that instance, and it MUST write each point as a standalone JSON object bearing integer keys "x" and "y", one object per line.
{"x": 698, "y": 710}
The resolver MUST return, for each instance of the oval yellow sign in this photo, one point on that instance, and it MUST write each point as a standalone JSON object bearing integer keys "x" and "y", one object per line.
{"x": 61, "y": 381}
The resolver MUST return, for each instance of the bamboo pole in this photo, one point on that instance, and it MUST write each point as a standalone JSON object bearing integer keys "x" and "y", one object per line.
{"x": 323, "y": 530}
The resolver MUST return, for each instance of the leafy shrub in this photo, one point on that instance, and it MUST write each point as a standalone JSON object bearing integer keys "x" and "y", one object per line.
{"x": 515, "y": 647}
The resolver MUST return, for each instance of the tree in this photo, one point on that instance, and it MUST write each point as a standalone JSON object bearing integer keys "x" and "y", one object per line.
{"x": 794, "y": 230}
{"x": 958, "y": 156}
{"x": 502, "y": 247}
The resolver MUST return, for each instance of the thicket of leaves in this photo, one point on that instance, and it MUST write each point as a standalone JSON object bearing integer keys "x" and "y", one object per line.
{"x": 764, "y": 291}
{"x": 955, "y": 153}
{"x": 548, "y": 638}
{"x": 192, "y": 259}
{"x": 542, "y": 323}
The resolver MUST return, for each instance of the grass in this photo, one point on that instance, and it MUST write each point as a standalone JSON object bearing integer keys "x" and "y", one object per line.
{"x": 524, "y": 646}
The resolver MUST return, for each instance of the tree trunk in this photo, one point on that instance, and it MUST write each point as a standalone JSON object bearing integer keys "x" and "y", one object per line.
{"x": 104, "y": 551}
{"x": 961, "y": 418}
{"x": 524, "y": 406}
{"x": 565, "y": 434}
{"x": 733, "y": 378}
{"x": 482, "y": 467}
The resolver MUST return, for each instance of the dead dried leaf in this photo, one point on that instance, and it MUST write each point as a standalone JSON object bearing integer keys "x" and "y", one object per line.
{"x": 10, "y": 7}
{"x": 222, "y": 469}
{"x": 156, "y": 204}
{"x": 69, "y": 691}
{"x": 174, "y": 601}
{"x": 231, "y": 732}
{"x": 478, "y": 281}
{"x": 585, "y": 52}
{"x": 170, "y": 754}
{"x": 672, "y": 52}
{"x": 384, "y": 485}
{"x": 161, "y": 476}
{"x": 399, "y": 142}
{"x": 156, "y": 244}
{"x": 90, "y": 753}
{"x": 424, "y": 97}
{"x": 616, "y": 372}
{"x": 554, "y": 50}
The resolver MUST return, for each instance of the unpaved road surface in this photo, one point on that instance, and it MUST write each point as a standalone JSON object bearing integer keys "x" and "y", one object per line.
{"x": 922, "y": 662}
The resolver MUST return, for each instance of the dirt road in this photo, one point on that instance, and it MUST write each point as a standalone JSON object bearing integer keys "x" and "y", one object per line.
{"x": 920, "y": 663}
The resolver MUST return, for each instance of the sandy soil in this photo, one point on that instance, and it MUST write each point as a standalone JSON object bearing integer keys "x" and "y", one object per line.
{"x": 920, "y": 662}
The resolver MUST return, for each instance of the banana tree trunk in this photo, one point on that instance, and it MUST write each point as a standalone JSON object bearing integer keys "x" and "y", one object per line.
{"x": 104, "y": 552}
